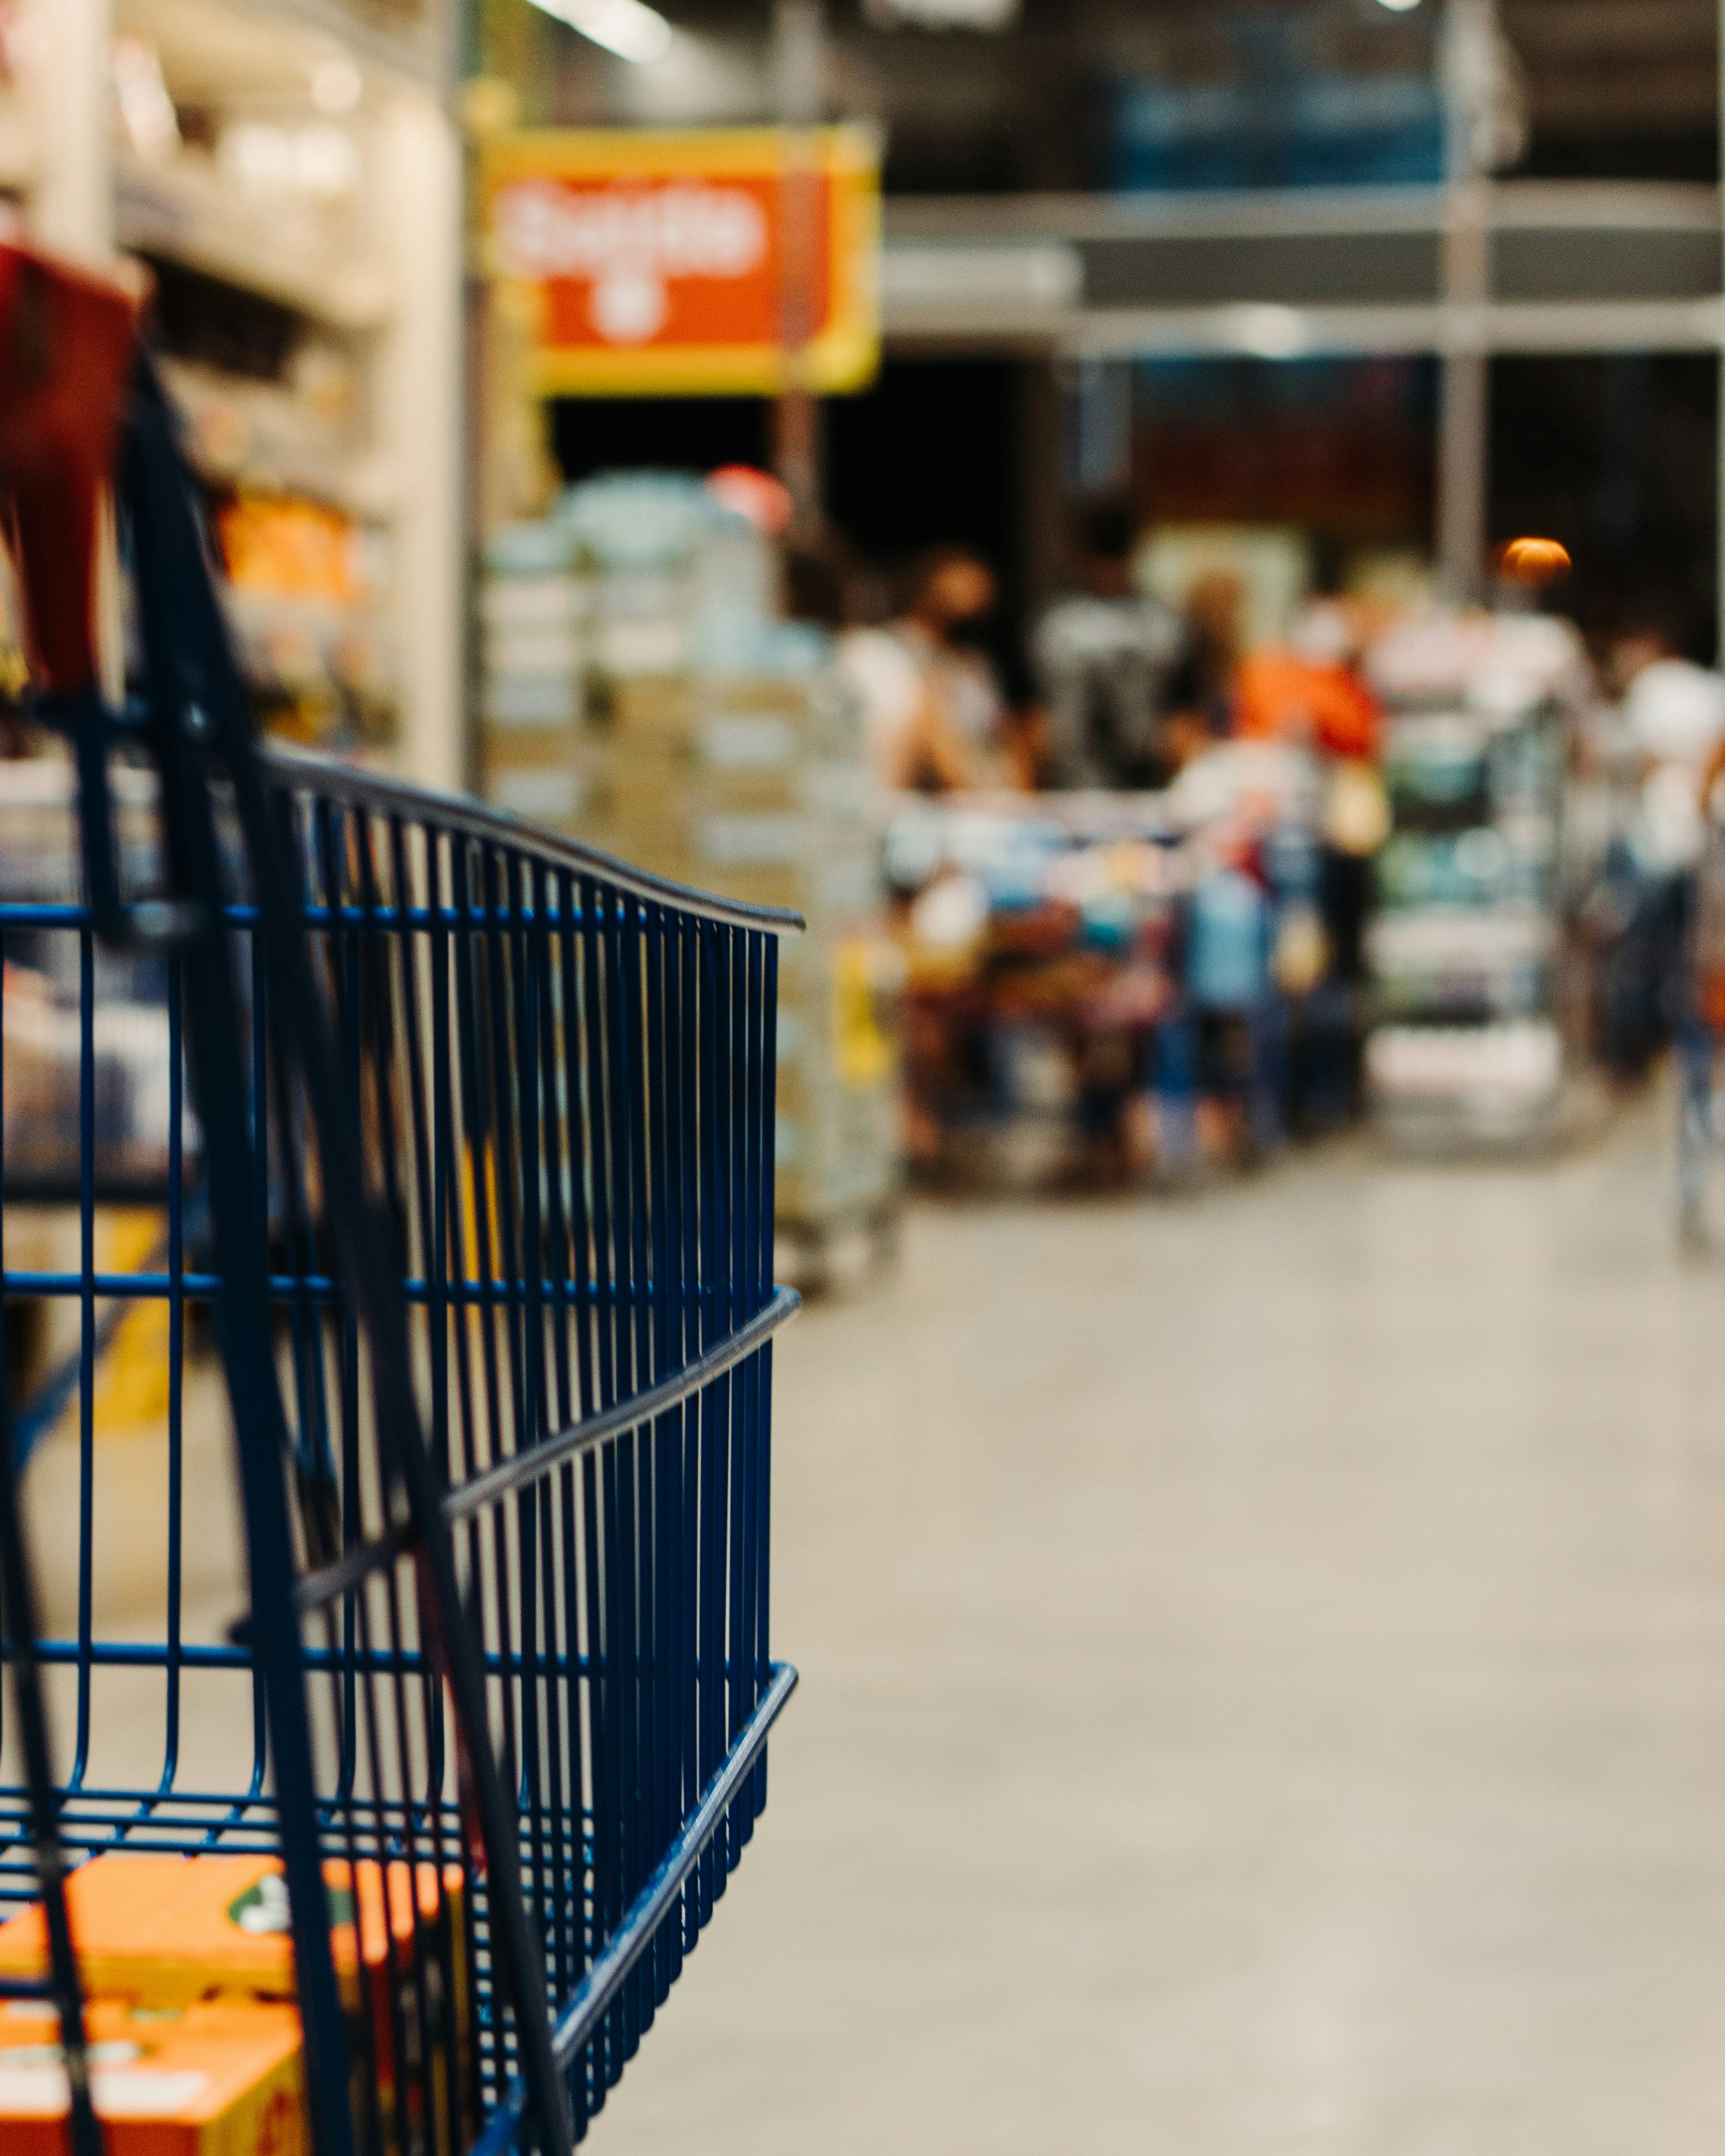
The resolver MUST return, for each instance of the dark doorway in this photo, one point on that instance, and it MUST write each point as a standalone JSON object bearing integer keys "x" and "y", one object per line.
{"x": 1617, "y": 458}
{"x": 934, "y": 452}
{"x": 592, "y": 435}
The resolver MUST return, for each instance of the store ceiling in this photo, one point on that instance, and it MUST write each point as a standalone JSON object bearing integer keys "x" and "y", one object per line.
{"x": 1617, "y": 65}
{"x": 1613, "y": 88}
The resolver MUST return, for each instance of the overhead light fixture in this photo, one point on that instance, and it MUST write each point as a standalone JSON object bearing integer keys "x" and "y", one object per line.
{"x": 1265, "y": 331}
{"x": 631, "y": 30}
{"x": 1399, "y": 7}
{"x": 942, "y": 14}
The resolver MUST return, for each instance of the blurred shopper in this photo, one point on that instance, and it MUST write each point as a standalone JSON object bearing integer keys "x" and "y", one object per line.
{"x": 1674, "y": 713}
{"x": 1104, "y": 655}
{"x": 935, "y": 715}
{"x": 1229, "y": 939}
{"x": 1674, "y": 724}
{"x": 1309, "y": 691}
{"x": 1201, "y": 691}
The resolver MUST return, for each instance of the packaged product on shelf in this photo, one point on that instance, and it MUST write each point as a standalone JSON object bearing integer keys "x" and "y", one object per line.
{"x": 276, "y": 204}
{"x": 638, "y": 536}
{"x": 43, "y": 1079}
{"x": 303, "y": 580}
{"x": 1502, "y": 1077}
{"x": 44, "y": 1074}
{"x": 1091, "y": 977}
{"x": 298, "y": 434}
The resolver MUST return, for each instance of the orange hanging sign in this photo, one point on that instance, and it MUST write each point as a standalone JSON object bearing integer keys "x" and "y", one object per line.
{"x": 664, "y": 263}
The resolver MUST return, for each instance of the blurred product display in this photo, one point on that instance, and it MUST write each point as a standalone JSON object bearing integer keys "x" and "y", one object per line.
{"x": 1282, "y": 103}
{"x": 1466, "y": 949}
{"x": 639, "y": 691}
{"x": 1117, "y": 987}
{"x": 270, "y": 290}
{"x": 287, "y": 188}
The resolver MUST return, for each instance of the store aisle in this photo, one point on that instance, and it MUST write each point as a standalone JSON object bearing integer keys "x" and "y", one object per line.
{"x": 1264, "y": 1690}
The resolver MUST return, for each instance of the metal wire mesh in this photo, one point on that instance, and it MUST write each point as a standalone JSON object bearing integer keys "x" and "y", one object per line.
{"x": 561, "y": 1077}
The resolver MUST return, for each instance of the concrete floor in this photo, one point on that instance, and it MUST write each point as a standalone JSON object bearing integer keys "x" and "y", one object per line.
{"x": 1264, "y": 1689}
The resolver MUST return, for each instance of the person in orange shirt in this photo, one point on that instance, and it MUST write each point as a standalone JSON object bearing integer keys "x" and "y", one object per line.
{"x": 1310, "y": 694}
{"x": 1310, "y": 691}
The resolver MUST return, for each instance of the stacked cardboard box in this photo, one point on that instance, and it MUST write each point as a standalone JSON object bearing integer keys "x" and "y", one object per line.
{"x": 838, "y": 1102}
{"x": 734, "y": 761}
{"x": 215, "y": 2079}
{"x": 540, "y": 761}
{"x": 752, "y": 783}
{"x": 178, "y": 1937}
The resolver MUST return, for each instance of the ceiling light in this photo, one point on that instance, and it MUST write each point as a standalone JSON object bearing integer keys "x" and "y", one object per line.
{"x": 1265, "y": 331}
{"x": 336, "y": 84}
{"x": 633, "y": 31}
{"x": 942, "y": 14}
{"x": 1399, "y": 7}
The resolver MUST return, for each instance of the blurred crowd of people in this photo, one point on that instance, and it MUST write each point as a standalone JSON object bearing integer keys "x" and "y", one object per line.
{"x": 1126, "y": 691}
{"x": 1241, "y": 958}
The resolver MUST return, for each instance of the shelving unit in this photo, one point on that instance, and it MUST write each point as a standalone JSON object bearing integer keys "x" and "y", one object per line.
{"x": 1467, "y": 1048}
{"x": 290, "y": 173}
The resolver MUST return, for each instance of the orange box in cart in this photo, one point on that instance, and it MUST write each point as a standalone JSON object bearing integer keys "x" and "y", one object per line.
{"x": 167, "y": 1931}
{"x": 220, "y": 2079}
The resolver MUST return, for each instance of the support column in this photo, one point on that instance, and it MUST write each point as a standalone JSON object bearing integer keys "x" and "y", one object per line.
{"x": 1464, "y": 447}
{"x": 798, "y": 67}
{"x": 1464, "y": 454}
{"x": 421, "y": 408}
{"x": 72, "y": 203}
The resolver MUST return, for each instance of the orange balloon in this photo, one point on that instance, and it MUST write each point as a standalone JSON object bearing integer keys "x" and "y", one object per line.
{"x": 1534, "y": 562}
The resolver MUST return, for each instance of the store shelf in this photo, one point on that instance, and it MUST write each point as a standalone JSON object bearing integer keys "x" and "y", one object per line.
{"x": 258, "y": 438}
{"x": 1466, "y": 953}
{"x": 368, "y": 490}
{"x": 182, "y": 213}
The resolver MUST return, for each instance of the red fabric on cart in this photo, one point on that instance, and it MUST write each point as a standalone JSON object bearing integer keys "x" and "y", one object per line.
{"x": 66, "y": 344}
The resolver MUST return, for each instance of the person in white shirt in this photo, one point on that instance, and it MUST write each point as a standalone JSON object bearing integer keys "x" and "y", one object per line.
{"x": 933, "y": 710}
{"x": 1674, "y": 717}
{"x": 1674, "y": 726}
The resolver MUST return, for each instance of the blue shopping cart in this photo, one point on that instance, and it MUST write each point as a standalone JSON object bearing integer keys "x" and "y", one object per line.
{"x": 468, "y": 1153}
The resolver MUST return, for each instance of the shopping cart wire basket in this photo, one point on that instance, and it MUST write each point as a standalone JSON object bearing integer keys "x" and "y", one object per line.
{"x": 475, "y": 1173}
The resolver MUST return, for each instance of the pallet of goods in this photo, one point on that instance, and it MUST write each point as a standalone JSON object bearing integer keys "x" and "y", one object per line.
{"x": 640, "y": 693}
